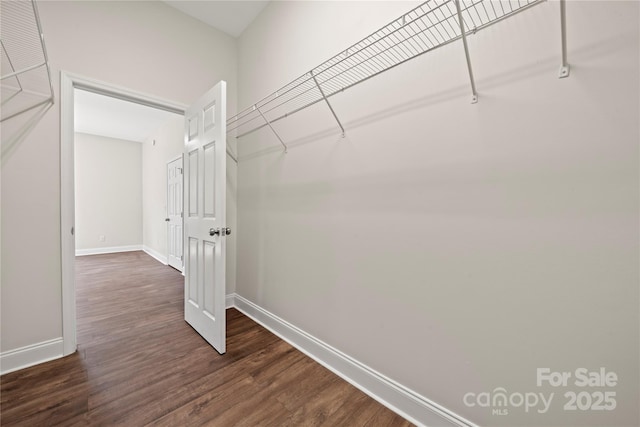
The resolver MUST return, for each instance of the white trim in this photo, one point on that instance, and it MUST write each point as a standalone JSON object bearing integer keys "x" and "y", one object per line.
{"x": 157, "y": 255}
{"x": 67, "y": 214}
{"x": 407, "y": 403}
{"x": 69, "y": 82}
{"x": 30, "y": 355}
{"x": 230, "y": 301}
{"x": 109, "y": 250}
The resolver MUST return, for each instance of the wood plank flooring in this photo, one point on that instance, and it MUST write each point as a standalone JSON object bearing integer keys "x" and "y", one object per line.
{"x": 138, "y": 363}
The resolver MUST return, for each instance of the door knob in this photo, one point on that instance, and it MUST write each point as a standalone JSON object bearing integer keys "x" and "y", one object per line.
{"x": 219, "y": 232}
{"x": 167, "y": 219}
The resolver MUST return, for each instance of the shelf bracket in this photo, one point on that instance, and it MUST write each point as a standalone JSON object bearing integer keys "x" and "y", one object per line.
{"x": 327, "y": 101}
{"x": 24, "y": 70}
{"x": 564, "y": 68}
{"x": 474, "y": 93}
{"x": 272, "y": 129}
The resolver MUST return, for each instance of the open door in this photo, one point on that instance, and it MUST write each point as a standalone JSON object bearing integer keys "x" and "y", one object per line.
{"x": 204, "y": 216}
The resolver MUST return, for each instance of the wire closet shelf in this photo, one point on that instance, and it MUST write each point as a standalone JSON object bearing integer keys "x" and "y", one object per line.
{"x": 25, "y": 80}
{"x": 433, "y": 24}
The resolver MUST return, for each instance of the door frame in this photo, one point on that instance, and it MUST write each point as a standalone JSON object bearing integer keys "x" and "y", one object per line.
{"x": 69, "y": 82}
{"x": 180, "y": 157}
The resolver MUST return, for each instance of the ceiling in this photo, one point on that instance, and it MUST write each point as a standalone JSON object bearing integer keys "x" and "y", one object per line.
{"x": 114, "y": 118}
{"x": 231, "y": 17}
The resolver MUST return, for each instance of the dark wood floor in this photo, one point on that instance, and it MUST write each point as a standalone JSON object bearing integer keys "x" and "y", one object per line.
{"x": 138, "y": 363}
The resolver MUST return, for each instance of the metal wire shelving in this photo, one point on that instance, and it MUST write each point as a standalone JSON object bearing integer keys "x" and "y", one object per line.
{"x": 433, "y": 24}
{"x": 25, "y": 80}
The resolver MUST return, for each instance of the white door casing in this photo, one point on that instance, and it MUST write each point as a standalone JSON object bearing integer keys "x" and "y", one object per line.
{"x": 174, "y": 214}
{"x": 204, "y": 216}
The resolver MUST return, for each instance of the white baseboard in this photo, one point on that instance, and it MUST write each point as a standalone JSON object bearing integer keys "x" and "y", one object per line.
{"x": 405, "y": 402}
{"x": 157, "y": 255}
{"x": 110, "y": 250}
{"x": 30, "y": 355}
{"x": 230, "y": 301}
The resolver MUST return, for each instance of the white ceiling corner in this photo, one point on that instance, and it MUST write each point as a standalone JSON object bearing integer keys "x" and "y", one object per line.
{"x": 231, "y": 17}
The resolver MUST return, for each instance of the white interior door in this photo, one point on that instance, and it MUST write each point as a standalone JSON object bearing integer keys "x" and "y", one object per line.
{"x": 204, "y": 215}
{"x": 174, "y": 214}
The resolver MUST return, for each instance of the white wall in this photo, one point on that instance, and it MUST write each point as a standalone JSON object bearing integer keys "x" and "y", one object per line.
{"x": 108, "y": 182}
{"x": 164, "y": 145}
{"x": 147, "y": 47}
{"x": 453, "y": 247}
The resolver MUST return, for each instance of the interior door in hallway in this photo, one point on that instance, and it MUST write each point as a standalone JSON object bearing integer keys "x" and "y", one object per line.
{"x": 204, "y": 216}
{"x": 174, "y": 214}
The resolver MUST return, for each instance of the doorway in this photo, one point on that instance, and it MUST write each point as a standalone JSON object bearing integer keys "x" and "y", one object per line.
{"x": 69, "y": 84}
{"x": 113, "y": 171}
